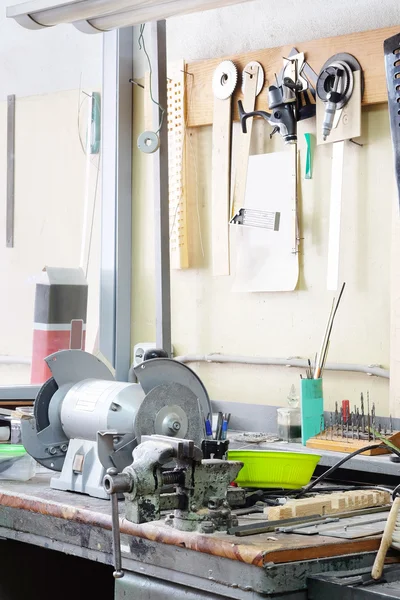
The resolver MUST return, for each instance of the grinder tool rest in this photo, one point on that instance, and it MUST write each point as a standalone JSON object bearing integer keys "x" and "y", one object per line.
{"x": 82, "y": 399}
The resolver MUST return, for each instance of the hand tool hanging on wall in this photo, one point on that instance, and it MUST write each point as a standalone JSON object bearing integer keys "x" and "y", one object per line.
{"x": 284, "y": 100}
{"x": 223, "y": 85}
{"x": 340, "y": 84}
{"x": 289, "y": 100}
{"x": 253, "y": 81}
{"x": 296, "y": 68}
{"x": 340, "y": 87}
{"x": 252, "y": 84}
{"x": 391, "y": 48}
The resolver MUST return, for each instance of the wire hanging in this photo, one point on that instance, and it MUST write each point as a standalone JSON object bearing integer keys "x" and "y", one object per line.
{"x": 142, "y": 46}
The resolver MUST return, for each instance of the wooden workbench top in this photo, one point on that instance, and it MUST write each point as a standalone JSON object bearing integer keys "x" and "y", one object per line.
{"x": 36, "y": 496}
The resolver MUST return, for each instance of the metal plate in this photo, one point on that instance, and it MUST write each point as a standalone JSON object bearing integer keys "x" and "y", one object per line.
{"x": 356, "y": 584}
{"x": 350, "y": 528}
{"x": 170, "y": 394}
{"x": 391, "y": 48}
{"x": 224, "y": 80}
{"x": 71, "y": 366}
{"x": 350, "y": 60}
{"x": 346, "y": 83}
{"x": 10, "y": 171}
{"x": 158, "y": 371}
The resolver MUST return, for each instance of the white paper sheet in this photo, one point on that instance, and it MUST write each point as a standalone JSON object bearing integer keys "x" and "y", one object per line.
{"x": 267, "y": 260}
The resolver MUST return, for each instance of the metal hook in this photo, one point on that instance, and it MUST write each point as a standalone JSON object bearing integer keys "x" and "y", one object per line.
{"x": 136, "y": 83}
{"x": 356, "y": 143}
{"x": 187, "y": 72}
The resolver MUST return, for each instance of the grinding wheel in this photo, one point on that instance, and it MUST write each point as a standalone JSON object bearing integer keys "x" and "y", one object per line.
{"x": 166, "y": 405}
{"x": 158, "y": 371}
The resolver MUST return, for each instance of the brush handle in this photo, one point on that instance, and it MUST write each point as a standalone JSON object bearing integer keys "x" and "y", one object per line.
{"x": 386, "y": 540}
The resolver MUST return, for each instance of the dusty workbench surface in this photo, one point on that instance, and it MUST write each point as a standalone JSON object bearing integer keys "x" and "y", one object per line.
{"x": 70, "y": 512}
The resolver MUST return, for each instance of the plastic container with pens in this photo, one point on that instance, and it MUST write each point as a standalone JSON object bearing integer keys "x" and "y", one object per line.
{"x": 216, "y": 445}
{"x": 215, "y": 449}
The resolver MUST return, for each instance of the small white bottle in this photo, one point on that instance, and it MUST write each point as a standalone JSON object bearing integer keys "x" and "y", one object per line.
{"x": 289, "y": 418}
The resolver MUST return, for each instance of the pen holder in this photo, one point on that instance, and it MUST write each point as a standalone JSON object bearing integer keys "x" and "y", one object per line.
{"x": 215, "y": 449}
{"x": 312, "y": 408}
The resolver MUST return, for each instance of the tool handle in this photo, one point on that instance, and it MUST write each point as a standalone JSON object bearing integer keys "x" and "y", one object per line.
{"x": 243, "y": 115}
{"x": 116, "y": 534}
{"x": 345, "y": 410}
{"x": 386, "y": 540}
{"x": 118, "y": 573}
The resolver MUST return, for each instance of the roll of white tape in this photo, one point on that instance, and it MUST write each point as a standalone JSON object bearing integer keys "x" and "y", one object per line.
{"x": 148, "y": 142}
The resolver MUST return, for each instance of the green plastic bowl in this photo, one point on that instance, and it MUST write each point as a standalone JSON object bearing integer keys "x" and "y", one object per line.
{"x": 288, "y": 470}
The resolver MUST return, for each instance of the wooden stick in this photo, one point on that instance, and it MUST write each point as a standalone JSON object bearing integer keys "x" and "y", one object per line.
{"x": 386, "y": 540}
{"x": 220, "y": 185}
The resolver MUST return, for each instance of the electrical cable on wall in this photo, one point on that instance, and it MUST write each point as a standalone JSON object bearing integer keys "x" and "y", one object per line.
{"x": 149, "y": 141}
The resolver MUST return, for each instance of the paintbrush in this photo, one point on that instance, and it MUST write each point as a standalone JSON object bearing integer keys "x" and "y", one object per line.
{"x": 323, "y": 353}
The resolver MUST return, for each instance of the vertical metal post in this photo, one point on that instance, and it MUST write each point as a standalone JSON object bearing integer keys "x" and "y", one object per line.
{"x": 116, "y": 227}
{"x": 161, "y": 196}
{"x": 10, "y": 171}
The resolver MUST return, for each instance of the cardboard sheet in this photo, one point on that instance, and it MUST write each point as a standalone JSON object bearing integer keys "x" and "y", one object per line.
{"x": 267, "y": 261}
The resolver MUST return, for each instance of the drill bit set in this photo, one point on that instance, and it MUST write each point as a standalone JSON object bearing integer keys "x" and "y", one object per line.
{"x": 347, "y": 429}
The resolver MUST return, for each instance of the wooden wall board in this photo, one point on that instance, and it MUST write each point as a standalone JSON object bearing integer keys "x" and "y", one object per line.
{"x": 366, "y": 46}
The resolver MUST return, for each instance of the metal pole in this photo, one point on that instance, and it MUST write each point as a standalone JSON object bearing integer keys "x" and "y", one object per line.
{"x": 116, "y": 228}
{"x": 10, "y": 171}
{"x": 161, "y": 196}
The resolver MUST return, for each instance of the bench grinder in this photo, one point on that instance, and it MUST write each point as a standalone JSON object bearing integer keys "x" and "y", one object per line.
{"x": 82, "y": 399}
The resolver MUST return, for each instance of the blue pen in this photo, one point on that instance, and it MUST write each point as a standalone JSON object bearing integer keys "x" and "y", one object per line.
{"x": 224, "y": 429}
{"x": 209, "y": 432}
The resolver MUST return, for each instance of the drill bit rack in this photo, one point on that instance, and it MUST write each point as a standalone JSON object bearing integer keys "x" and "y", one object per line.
{"x": 346, "y": 430}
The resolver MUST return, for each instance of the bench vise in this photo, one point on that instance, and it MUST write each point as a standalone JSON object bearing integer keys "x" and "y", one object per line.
{"x": 199, "y": 502}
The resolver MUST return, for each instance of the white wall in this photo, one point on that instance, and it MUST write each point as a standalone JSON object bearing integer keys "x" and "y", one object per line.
{"x": 50, "y": 171}
{"x": 268, "y": 23}
{"x": 46, "y": 60}
{"x": 45, "y": 70}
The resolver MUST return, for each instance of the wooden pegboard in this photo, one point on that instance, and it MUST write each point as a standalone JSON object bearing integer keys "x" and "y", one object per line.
{"x": 176, "y": 166}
